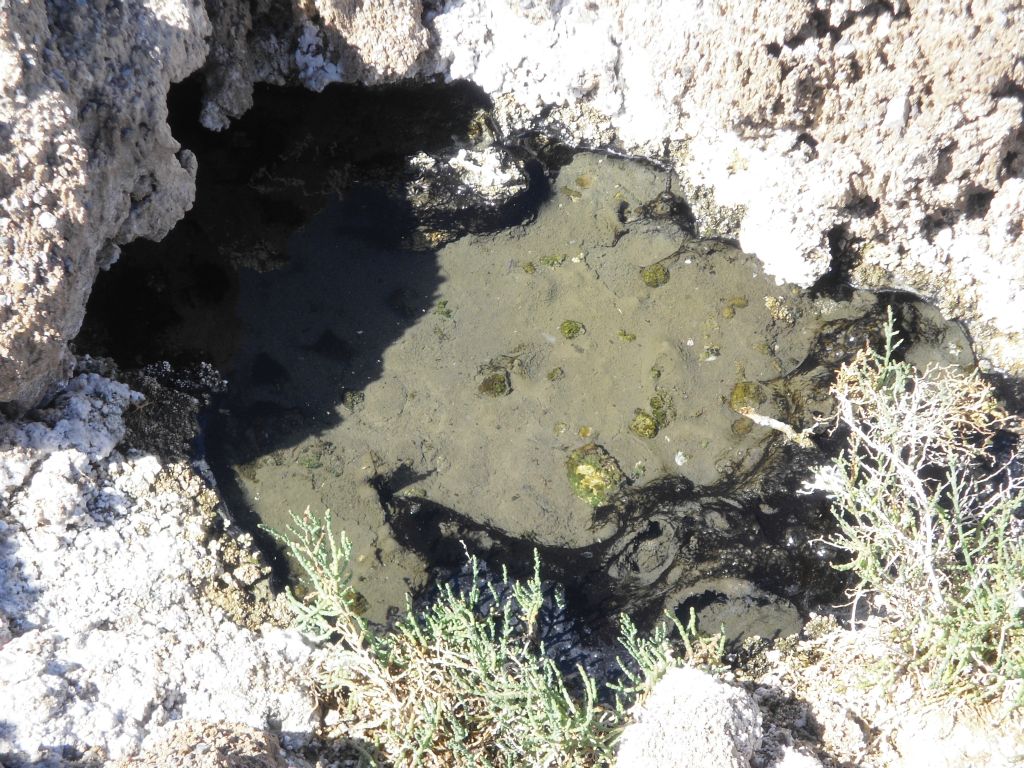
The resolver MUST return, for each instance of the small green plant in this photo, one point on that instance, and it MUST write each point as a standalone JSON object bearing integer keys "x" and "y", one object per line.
{"x": 650, "y": 657}
{"x": 453, "y": 686}
{"x": 928, "y": 519}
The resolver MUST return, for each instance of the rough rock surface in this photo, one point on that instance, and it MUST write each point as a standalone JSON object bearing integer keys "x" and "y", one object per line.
{"x": 819, "y": 693}
{"x": 271, "y": 42}
{"x": 207, "y": 745}
{"x": 892, "y": 132}
{"x": 692, "y": 719}
{"x": 468, "y": 191}
{"x": 103, "y": 559}
{"x": 87, "y": 162}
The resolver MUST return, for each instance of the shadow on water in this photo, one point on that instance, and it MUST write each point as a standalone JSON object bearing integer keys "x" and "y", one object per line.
{"x": 302, "y": 263}
{"x": 669, "y": 536}
{"x": 258, "y": 182}
{"x": 303, "y": 185}
{"x": 311, "y": 345}
{"x": 295, "y": 272}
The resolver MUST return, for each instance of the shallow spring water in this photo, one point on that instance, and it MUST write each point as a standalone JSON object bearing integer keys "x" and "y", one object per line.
{"x": 434, "y": 395}
{"x": 314, "y": 417}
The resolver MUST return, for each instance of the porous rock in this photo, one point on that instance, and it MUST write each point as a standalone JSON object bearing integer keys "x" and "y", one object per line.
{"x": 311, "y": 43}
{"x": 211, "y": 745}
{"x": 466, "y": 191}
{"x": 87, "y": 159}
{"x": 87, "y": 162}
{"x": 692, "y": 719}
{"x": 104, "y": 561}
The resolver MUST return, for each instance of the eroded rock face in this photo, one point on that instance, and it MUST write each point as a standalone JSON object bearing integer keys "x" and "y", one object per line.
{"x": 311, "y": 43}
{"x": 891, "y": 132}
{"x": 109, "y": 632}
{"x": 87, "y": 162}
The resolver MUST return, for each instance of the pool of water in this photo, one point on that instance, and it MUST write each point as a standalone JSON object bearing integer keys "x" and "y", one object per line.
{"x": 444, "y": 391}
{"x": 375, "y": 380}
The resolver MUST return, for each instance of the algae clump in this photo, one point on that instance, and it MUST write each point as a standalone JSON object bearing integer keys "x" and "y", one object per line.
{"x": 553, "y": 260}
{"x": 643, "y": 424}
{"x": 662, "y": 409}
{"x": 442, "y": 309}
{"x": 570, "y": 329}
{"x": 736, "y": 302}
{"x": 495, "y": 385}
{"x": 352, "y": 400}
{"x": 593, "y": 474}
{"x": 654, "y": 275}
{"x": 746, "y": 396}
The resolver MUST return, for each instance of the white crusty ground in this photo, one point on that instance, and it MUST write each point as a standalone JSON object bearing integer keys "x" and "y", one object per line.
{"x": 103, "y": 638}
{"x": 690, "y": 718}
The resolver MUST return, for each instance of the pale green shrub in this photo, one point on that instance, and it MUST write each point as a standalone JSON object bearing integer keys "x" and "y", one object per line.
{"x": 450, "y": 687}
{"x": 927, "y": 517}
